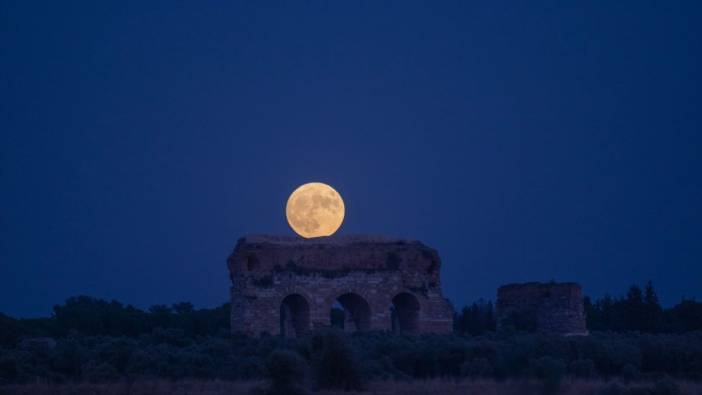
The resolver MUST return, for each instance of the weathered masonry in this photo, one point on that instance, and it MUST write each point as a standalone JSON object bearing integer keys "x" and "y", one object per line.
{"x": 555, "y": 308}
{"x": 288, "y": 286}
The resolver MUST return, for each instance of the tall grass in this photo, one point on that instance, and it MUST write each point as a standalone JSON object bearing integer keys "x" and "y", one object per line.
{"x": 411, "y": 387}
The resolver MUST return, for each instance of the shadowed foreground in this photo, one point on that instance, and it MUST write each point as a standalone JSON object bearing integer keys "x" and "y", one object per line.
{"x": 416, "y": 387}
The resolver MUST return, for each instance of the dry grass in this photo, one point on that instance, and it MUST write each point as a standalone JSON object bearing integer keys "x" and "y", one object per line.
{"x": 146, "y": 387}
{"x": 417, "y": 387}
{"x": 491, "y": 387}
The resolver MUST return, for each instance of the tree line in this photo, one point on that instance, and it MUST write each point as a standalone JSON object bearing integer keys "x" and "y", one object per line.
{"x": 638, "y": 310}
{"x": 89, "y": 316}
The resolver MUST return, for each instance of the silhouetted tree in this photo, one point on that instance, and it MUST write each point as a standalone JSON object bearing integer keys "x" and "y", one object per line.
{"x": 638, "y": 311}
{"x": 685, "y": 316}
{"x": 634, "y": 311}
{"x": 92, "y": 316}
{"x": 183, "y": 308}
{"x": 10, "y": 330}
{"x": 653, "y": 316}
{"x": 475, "y": 320}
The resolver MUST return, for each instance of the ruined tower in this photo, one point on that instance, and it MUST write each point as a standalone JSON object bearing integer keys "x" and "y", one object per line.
{"x": 287, "y": 285}
{"x": 555, "y": 308}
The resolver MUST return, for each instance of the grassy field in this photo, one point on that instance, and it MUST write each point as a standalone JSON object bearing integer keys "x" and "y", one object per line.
{"x": 429, "y": 387}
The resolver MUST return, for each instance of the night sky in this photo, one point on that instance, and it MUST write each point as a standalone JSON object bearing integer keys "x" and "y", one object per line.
{"x": 139, "y": 141}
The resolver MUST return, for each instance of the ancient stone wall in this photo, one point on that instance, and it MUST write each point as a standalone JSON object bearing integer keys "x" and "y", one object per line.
{"x": 288, "y": 285}
{"x": 546, "y": 307}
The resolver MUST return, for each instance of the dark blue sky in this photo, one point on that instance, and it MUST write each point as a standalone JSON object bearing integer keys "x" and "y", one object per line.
{"x": 523, "y": 141}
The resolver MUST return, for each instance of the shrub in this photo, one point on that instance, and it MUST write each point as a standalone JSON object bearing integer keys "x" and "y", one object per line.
{"x": 334, "y": 361}
{"x": 551, "y": 370}
{"x": 613, "y": 389}
{"x": 9, "y": 371}
{"x": 286, "y": 371}
{"x": 666, "y": 386}
{"x": 68, "y": 358}
{"x": 478, "y": 367}
{"x": 451, "y": 359}
{"x": 583, "y": 368}
{"x": 548, "y": 368}
{"x": 661, "y": 387}
{"x": 94, "y": 371}
{"x": 630, "y": 372}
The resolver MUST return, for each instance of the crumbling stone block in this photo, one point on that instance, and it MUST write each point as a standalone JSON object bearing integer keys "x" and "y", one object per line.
{"x": 555, "y": 308}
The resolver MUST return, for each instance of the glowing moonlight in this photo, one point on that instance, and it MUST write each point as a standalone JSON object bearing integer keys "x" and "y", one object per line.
{"x": 315, "y": 210}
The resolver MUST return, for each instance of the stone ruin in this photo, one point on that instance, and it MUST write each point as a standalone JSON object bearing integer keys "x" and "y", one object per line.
{"x": 288, "y": 285}
{"x": 555, "y": 308}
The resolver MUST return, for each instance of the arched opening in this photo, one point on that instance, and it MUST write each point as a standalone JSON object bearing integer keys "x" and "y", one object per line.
{"x": 405, "y": 313}
{"x": 337, "y": 315}
{"x": 294, "y": 316}
{"x": 351, "y": 313}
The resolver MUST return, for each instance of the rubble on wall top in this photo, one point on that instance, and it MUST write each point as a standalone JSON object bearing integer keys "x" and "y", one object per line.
{"x": 330, "y": 240}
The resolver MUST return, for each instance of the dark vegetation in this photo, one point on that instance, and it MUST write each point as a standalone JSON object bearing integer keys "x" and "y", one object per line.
{"x": 93, "y": 340}
{"x": 286, "y": 372}
{"x": 640, "y": 311}
{"x": 86, "y": 316}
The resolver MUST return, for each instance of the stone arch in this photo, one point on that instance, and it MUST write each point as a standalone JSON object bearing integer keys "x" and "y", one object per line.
{"x": 357, "y": 312}
{"x": 294, "y": 315}
{"x": 405, "y": 311}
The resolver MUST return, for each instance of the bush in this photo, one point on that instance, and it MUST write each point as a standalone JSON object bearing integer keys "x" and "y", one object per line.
{"x": 68, "y": 358}
{"x": 548, "y": 368}
{"x": 582, "y": 368}
{"x": 613, "y": 389}
{"x": 551, "y": 370}
{"x": 9, "y": 371}
{"x": 451, "y": 359}
{"x": 334, "y": 361}
{"x": 99, "y": 371}
{"x": 666, "y": 387}
{"x": 286, "y": 371}
{"x": 661, "y": 387}
{"x": 630, "y": 372}
{"x": 478, "y": 367}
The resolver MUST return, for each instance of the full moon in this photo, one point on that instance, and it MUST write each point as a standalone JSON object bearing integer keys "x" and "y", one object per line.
{"x": 314, "y": 210}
